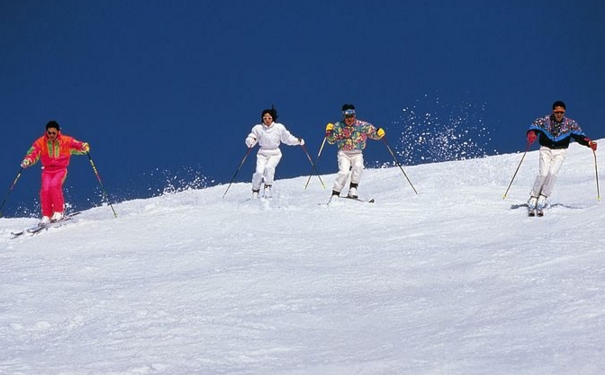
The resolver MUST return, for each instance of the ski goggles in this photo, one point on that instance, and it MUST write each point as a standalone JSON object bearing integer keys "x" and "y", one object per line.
{"x": 349, "y": 113}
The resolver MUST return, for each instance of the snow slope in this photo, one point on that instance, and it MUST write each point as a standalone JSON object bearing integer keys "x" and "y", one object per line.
{"x": 454, "y": 280}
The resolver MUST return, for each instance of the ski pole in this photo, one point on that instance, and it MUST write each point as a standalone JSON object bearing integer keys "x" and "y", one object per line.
{"x": 399, "y": 164}
{"x": 10, "y": 190}
{"x": 313, "y": 165}
{"x": 94, "y": 168}
{"x": 517, "y": 170}
{"x": 596, "y": 172}
{"x": 316, "y": 160}
{"x": 237, "y": 170}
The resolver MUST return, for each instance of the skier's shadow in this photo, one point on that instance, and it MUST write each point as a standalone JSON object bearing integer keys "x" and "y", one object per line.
{"x": 524, "y": 205}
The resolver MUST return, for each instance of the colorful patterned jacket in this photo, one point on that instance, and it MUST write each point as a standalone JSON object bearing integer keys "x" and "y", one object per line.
{"x": 353, "y": 137}
{"x": 54, "y": 154}
{"x": 557, "y": 135}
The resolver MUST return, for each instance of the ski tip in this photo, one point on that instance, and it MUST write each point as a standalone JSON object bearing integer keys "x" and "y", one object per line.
{"x": 17, "y": 233}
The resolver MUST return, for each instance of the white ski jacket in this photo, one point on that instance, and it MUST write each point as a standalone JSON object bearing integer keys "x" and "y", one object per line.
{"x": 270, "y": 137}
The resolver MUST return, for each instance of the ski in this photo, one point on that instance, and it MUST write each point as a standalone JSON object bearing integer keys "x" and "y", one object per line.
{"x": 350, "y": 198}
{"x": 40, "y": 227}
{"x": 53, "y": 224}
{"x": 37, "y": 228}
{"x": 17, "y": 233}
{"x": 533, "y": 212}
{"x": 360, "y": 200}
{"x": 536, "y": 211}
{"x": 29, "y": 230}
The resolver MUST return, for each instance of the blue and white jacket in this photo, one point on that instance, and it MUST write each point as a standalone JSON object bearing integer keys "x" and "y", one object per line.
{"x": 557, "y": 135}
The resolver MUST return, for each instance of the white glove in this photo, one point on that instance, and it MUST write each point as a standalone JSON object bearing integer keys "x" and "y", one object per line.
{"x": 25, "y": 163}
{"x": 250, "y": 142}
{"x": 301, "y": 141}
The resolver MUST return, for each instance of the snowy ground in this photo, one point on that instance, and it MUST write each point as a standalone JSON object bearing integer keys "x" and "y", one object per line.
{"x": 454, "y": 280}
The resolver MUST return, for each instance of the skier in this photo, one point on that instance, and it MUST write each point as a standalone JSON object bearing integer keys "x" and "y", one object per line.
{"x": 269, "y": 135}
{"x": 554, "y": 132}
{"x": 350, "y": 137}
{"x": 54, "y": 150}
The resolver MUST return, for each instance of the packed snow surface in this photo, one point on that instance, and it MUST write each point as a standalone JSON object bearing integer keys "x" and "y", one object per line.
{"x": 453, "y": 281}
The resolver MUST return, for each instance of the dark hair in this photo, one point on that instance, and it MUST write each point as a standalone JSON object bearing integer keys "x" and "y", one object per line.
{"x": 558, "y": 103}
{"x": 53, "y": 124}
{"x": 272, "y": 112}
{"x": 347, "y": 106}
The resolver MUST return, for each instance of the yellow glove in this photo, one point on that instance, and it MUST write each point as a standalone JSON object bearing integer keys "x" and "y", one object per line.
{"x": 380, "y": 132}
{"x": 25, "y": 163}
{"x": 85, "y": 147}
{"x": 329, "y": 127}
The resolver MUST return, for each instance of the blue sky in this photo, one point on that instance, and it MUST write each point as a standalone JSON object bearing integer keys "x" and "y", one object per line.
{"x": 163, "y": 89}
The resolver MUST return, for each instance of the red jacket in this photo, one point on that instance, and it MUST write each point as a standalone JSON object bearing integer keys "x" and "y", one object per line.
{"x": 54, "y": 154}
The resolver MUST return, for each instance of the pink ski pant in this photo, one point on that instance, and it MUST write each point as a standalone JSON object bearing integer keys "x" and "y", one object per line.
{"x": 51, "y": 193}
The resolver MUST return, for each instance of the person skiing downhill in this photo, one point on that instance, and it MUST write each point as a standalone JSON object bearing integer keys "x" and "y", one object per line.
{"x": 54, "y": 150}
{"x": 269, "y": 135}
{"x": 350, "y": 137}
{"x": 554, "y": 132}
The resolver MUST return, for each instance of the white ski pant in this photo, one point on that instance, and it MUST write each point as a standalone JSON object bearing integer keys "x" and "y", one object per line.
{"x": 348, "y": 162}
{"x": 551, "y": 161}
{"x": 266, "y": 162}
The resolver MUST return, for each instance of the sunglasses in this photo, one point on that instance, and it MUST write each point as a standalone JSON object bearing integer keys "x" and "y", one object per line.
{"x": 559, "y": 112}
{"x": 51, "y": 133}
